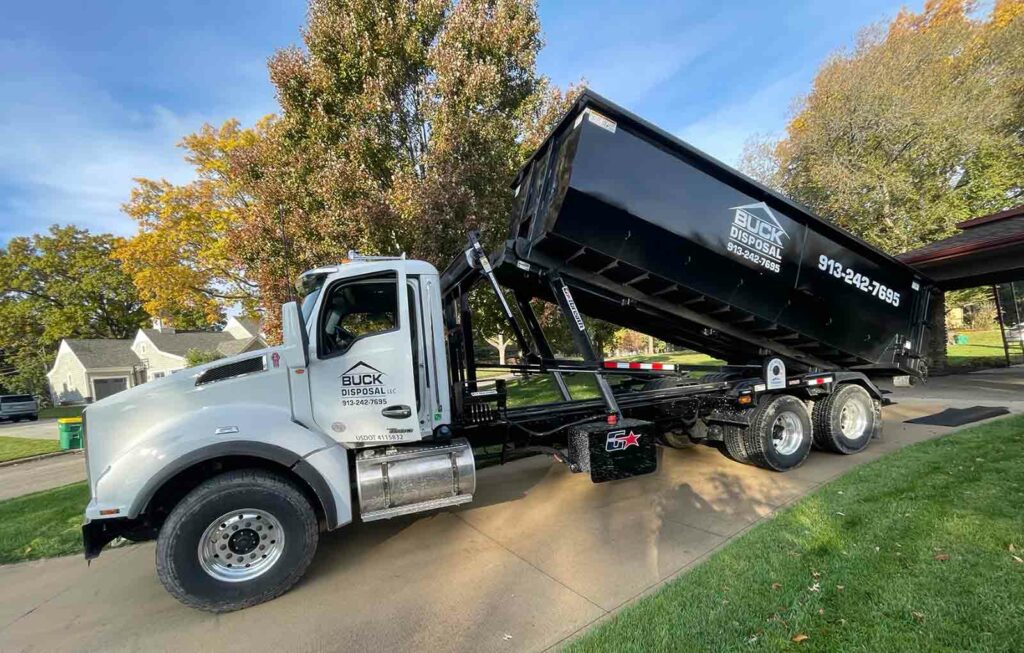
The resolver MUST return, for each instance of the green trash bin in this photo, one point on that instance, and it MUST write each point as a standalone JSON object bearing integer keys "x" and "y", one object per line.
{"x": 70, "y": 429}
{"x": 960, "y": 339}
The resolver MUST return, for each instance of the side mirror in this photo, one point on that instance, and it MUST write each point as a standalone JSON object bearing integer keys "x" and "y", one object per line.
{"x": 293, "y": 330}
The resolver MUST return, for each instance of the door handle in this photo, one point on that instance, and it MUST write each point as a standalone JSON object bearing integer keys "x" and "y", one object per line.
{"x": 397, "y": 412}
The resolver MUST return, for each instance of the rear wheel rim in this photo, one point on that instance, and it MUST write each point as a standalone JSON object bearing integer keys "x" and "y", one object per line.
{"x": 787, "y": 434}
{"x": 241, "y": 545}
{"x": 853, "y": 420}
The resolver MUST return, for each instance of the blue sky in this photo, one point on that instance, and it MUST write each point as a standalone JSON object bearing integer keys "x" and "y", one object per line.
{"x": 94, "y": 94}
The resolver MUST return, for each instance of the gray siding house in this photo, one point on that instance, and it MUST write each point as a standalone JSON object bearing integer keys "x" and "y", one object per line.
{"x": 88, "y": 370}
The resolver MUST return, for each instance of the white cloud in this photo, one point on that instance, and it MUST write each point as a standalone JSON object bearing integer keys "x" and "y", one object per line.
{"x": 69, "y": 149}
{"x": 723, "y": 132}
{"x": 626, "y": 51}
{"x": 630, "y": 71}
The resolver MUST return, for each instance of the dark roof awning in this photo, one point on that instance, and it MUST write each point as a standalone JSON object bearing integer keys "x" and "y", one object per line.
{"x": 988, "y": 250}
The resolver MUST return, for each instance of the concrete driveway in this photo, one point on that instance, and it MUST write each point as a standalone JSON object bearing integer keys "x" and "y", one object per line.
{"x": 539, "y": 555}
{"x": 44, "y": 429}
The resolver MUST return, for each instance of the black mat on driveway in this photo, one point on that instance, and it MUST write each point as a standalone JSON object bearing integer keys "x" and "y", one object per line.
{"x": 960, "y": 416}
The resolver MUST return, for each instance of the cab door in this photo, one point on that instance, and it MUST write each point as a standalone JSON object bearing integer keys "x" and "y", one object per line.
{"x": 362, "y": 380}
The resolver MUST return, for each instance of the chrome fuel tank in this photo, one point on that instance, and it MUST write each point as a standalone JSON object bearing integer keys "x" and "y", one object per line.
{"x": 398, "y": 480}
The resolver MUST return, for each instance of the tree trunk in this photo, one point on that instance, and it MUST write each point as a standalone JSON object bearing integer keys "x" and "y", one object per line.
{"x": 499, "y": 342}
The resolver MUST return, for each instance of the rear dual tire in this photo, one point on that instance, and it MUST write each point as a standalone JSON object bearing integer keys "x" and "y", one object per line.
{"x": 846, "y": 420}
{"x": 778, "y": 436}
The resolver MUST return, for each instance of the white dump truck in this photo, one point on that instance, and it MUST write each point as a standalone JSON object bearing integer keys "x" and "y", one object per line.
{"x": 371, "y": 408}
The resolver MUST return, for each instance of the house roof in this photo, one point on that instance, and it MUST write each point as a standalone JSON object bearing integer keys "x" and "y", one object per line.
{"x": 180, "y": 342}
{"x": 94, "y": 353}
{"x": 987, "y": 250}
{"x": 252, "y": 326}
{"x": 980, "y": 233}
{"x": 232, "y": 347}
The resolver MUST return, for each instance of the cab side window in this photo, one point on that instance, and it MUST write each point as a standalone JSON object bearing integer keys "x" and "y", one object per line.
{"x": 357, "y": 309}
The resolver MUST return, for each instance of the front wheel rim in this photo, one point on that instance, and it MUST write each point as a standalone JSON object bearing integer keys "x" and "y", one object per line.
{"x": 241, "y": 545}
{"x": 787, "y": 434}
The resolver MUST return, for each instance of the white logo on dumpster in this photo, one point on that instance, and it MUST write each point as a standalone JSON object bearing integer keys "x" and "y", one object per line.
{"x": 757, "y": 236}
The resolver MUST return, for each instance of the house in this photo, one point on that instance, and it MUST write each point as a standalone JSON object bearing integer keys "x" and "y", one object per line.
{"x": 87, "y": 370}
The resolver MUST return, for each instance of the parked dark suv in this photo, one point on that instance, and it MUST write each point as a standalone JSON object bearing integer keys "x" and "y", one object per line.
{"x": 18, "y": 407}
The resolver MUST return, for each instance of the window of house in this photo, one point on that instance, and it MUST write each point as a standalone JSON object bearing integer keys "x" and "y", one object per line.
{"x": 142, "y": 347}
{"x": 158, "y": 375}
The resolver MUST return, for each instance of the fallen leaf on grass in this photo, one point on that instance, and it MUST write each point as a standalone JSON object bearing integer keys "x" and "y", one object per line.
{"x": 814, "y": 588}
{"x": 840, "y": 588}
{"x": 821, "y": 610}
{"x": 1017, "y": 559}
{"x": 801, "y": 637}
{"x": 918, "y": 616}
{"x": 941, "y": 557}
{"x": 776, "y": 586}
{"x": 1011, "y": 548}
{"x": 816, "y": 574}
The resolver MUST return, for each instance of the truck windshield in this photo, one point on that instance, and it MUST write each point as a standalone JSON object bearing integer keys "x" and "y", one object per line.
{"x": 309, "y": 287}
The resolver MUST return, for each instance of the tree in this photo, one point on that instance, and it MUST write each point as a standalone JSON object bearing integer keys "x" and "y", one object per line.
{"x": 195, "y": 357}
{"x": 401, "y": 126}
{"x": 182, "y": 260}
{"x": 917, "y": 128}
{"x": 629, "y": 342}
{"x": 60, "y": 285}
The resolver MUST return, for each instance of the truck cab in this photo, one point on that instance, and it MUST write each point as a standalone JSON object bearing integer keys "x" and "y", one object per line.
{"x": 376, "y": 353}
{"x": 361, "y": 376}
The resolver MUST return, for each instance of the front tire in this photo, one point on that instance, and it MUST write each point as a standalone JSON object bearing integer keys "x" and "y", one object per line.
{"x": 846, "y": 420}
{"x": 237, "y": 540}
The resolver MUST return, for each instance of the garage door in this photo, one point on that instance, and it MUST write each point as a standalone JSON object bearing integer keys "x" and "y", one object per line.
{"x": 107, "y": 387}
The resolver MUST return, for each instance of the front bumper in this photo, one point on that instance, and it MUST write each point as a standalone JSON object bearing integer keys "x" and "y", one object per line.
{"x": 98, "y": 533}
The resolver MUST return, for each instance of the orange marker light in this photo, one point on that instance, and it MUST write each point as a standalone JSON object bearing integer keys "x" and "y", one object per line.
{"x": 110, "y": 511}
{"x": 745, "y": 399}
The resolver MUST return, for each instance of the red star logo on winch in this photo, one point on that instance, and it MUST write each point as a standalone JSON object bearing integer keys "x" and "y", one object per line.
{"x": 630, "y": 440}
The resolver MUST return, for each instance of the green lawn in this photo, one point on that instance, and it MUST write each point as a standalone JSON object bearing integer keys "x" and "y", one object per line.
{"x": 539, "y": 389}
{"x": 983, "y": 349}
{"x": 43, "y": 525}
{"x": 683, "y": 358}
{"x": 61, "y": 411}
{"x": 922, "y": 550}
{"x": 14, "y": 448}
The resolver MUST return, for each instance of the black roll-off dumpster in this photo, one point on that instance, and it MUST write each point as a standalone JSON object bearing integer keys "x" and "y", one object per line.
{"x": 657, "y": 236}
